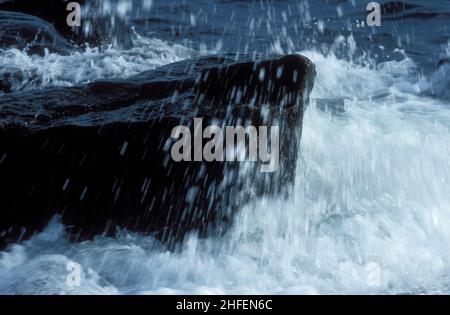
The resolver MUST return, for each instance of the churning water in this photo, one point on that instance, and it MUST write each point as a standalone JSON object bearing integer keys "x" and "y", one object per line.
{"x": 370, "y": 209}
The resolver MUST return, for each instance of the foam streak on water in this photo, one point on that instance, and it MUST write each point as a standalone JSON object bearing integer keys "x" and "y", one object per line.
{"x": 369, "y": 213}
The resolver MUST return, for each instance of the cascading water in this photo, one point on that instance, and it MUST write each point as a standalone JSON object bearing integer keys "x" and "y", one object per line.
{"x": 369, "y": 212}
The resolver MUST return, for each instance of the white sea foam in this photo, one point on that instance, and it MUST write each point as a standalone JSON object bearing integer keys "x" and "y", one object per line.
{"x": 27, "y": 72}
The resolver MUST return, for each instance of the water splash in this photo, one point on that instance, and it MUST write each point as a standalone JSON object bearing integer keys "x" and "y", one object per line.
{"x": 371, "y": 192}
{"x": 28, "y": 72}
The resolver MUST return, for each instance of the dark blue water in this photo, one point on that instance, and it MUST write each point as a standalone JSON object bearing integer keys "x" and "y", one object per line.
{"x": 370, "y": 210}
{"x": 420, "y": 28}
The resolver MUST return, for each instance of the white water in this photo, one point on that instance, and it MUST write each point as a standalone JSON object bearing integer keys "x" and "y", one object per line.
{"x": 370, "y": 211}
{"x": 35, "y": 71}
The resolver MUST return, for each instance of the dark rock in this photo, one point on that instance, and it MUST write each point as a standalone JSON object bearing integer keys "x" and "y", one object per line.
{"x": 99, "y": 155}
{"x": 53, "y": 11}
{"x": 96, "y": 29}
{"x": 22, "y": 31}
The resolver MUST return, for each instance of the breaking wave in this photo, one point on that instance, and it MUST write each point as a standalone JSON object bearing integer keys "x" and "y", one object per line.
{"x": 369, "y": 213}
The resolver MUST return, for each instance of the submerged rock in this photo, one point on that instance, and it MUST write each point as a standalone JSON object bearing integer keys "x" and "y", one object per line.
{"x": 100, "y": 154}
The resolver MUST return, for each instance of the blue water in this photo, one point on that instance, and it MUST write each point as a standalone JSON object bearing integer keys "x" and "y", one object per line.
{"x": 370, "y": 210}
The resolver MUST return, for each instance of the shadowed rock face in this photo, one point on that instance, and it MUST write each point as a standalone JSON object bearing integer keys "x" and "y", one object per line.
{"x": 99, "y": 155}
{"x": 53, "y": 11}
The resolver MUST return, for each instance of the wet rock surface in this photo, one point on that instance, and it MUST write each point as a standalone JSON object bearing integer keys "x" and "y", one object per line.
{"x": 99, "y": 155}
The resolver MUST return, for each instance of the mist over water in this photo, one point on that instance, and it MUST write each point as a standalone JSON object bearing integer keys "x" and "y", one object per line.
{"x": 370, "y": 209}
